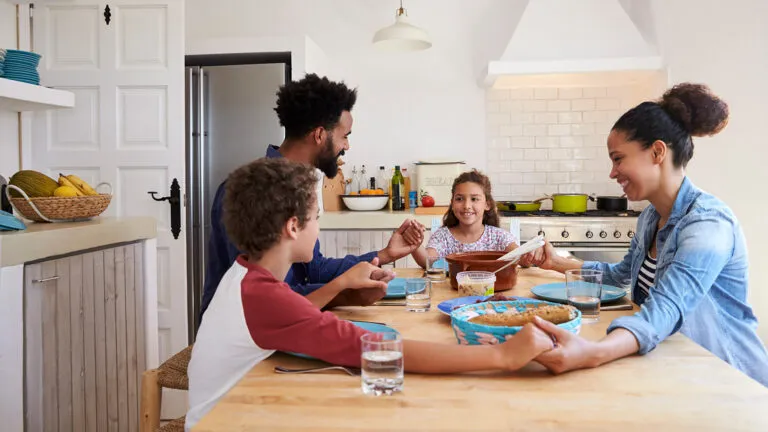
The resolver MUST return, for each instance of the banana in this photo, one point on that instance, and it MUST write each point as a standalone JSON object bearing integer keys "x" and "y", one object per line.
{"x": 64, "y": 181}
{"x": 84, "y": 187}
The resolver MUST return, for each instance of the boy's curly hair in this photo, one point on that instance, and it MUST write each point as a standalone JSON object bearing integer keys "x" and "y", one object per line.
{"x": 312, "y": 102}
{"x": 490, "y": 216}
{"x": 261, "y": 197}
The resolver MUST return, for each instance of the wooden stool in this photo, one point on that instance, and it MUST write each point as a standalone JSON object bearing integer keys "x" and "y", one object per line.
{"x": 171, "y": 374}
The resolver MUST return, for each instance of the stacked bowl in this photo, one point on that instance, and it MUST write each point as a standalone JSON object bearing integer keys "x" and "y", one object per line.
{"x": 21, "y": 66}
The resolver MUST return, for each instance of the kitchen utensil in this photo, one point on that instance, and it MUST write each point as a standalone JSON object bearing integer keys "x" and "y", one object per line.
{"x": 612, "y": 203}
{"x": 349, "y": 370}
{"x": 570, "y": 203}
{"x": 365, "y": 202}
{"x": 555, "y": 292}
{"x": 520, "y": 206}
{"x": 333, "y": 189}
{"x": 529, "y": 246}
{"x": 482, "y": 261}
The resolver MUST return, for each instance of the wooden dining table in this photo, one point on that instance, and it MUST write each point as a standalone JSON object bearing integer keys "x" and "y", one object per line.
{"x": 678, "y": 386}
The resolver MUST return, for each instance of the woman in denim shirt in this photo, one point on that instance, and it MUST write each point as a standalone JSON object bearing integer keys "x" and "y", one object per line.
{"x": 695, "y": 243}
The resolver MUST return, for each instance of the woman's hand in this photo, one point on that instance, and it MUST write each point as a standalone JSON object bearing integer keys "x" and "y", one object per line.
{"x": 543, "y": 257}
{"x": 571, "y": 351}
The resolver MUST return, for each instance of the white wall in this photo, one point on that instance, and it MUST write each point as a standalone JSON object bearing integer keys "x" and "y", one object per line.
{"x": 725, "y": 45}
{"x": 9, "y": 130}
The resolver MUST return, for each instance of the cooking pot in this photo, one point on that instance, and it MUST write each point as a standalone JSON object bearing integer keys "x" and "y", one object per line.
{"x": 520, "y": 206}
{"x": 612, "y": 203}
{"x": 570, "y": 203}
{"x": 482, "y": 261}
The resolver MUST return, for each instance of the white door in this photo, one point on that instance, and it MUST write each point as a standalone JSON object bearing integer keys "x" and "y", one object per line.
{"x": 127, "y": 127}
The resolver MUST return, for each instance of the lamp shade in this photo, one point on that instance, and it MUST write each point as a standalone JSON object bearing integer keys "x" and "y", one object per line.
{"x": 402, "y": 36}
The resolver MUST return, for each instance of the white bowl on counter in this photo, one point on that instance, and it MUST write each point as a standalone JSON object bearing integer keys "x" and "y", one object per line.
{"x": 365, "y": 202}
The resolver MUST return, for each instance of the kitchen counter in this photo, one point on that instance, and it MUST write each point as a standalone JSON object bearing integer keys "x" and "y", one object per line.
{"x": 678, "y": 386}
{"x": 44, "y": 240}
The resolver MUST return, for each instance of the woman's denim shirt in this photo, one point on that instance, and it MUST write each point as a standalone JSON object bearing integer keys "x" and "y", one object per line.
{"x": 701, "y": 282}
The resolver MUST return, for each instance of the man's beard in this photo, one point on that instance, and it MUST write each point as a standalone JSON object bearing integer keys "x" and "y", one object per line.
{"x": 327, "y": 162}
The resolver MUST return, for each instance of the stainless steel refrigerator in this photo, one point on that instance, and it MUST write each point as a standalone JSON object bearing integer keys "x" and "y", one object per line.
{"x": 230, "y": 121}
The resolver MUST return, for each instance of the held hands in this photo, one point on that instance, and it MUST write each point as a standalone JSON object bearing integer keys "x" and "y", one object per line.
{"x": 544, "y": 257}
{"x": 365, "y": 283}
{"x": 406, "y": 239}
{"x": 526, "y": 345}
{"x": 572, "y": 351}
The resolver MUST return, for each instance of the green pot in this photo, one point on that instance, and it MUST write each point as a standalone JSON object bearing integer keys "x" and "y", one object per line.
{"x": 520, "y": 206}
{"x": 570, "y": 203}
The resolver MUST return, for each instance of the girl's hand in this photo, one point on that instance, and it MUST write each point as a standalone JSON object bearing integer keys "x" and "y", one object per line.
{"x": 524, "y": 346}
{"x": 571, "y": 351}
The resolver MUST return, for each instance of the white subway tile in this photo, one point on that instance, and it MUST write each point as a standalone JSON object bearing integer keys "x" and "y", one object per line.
{"x": 546, "y": 118}
{"x": 522, "y": 166}
{"x": 497, "y": 166}
{"x": 569, "y": 117}
{"x": 522, "y": 118}
{"x": 558, "y": 177}
{"x": 547, "y": 166}
{"x": 595, "y": 116}
{"x": 613, "y": 115}
{"x": 514, "y": 106}
{"x": 521, "y": 93}
{"x": 492, "y": 131}
{"x": 604, "y": 127}
{"x": 511, "y": 178}
{"x": 493, "y": 155}
{"x": 494, "y": 119}
{"x": 547, "y": 142}
{"x": 535, "y": 106}
{"x": 522, "y": 192}
{"x": 607, "y": 104}
{"x": 571, "y": 141}
{"x": 594, "y": 92}
{"x": 583, "y": 105}
{"x": 512, "y": 155}
{"x": 501, "y": 189}
{"x": 584, "y": 153}
{"x": 497, "y": 95}
{"x": 534, "y": 178}
{"x": 559, "y": 130}
{"x": 491, "y": 107}
{"x": 571, "y": 165}
{"x": 582, "y": 177}
{"x": 560, "y": 154}
{"x": 534, "y": 155}
{"x": 545, "y": 93}
{"x": 570, "y": 188}
{"x": 545, "y": 189}
{"x": 559, "y": 105}
{"x": 534, "y": 130}
{"x": 595, "y": 165}
{"x": 583, "y": 129}
{"x": 523, "y": 142}
{"x": 511, "y": 130}
{"x": 619, "y": 92}
{"x": 499, "y": 143}
{"x": 570, "y": 93}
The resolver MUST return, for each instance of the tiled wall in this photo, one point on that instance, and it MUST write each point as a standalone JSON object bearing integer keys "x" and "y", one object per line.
{"x": 553, "y": 140}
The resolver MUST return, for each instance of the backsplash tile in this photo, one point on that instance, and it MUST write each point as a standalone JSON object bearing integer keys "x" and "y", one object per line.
{"x": 553, "y": 140}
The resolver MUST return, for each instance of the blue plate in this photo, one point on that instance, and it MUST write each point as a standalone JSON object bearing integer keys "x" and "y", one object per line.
{"x": 449, "y": 306}
{"x": 556, "y": 292}
{"x": 396, "y": 289}
{"x": 371, "y": 327}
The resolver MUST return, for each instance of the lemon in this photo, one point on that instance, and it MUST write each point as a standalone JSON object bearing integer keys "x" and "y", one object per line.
{"x": 65, "y": 191}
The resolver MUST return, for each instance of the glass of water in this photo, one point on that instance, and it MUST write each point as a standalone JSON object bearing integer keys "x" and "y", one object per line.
{"x": 418, "y": 294}
{"x": 583, "y": 289}
{"x": 436, "y": 268}
{"x": 382, "y": 363}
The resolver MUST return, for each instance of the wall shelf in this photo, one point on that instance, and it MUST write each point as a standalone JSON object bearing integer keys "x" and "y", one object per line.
{"x": 19, "y": 96}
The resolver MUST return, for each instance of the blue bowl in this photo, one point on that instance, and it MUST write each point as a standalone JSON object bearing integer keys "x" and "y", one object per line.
{"x": 468, "y": 333}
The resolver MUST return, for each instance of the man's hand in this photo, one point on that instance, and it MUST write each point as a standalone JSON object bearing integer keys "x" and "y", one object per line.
{"x": 404, "y": 240}
{"x": 363, "y": 285}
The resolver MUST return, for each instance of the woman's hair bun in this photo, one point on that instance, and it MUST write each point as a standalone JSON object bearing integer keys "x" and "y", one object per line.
{"x": 696, "y": 108}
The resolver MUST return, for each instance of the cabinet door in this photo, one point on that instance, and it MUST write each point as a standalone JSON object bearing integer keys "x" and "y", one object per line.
{"x": 84, "y": 341}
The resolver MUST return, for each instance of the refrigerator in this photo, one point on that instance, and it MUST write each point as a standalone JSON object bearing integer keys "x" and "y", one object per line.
{"x": 230, "y": 121}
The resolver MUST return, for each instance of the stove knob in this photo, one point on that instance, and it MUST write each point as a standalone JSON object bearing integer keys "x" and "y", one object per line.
{"x": 603, "y": 234}
{"x": 565, "y": 234}
{"x": 590, "y": 234}
{"x": 542, "y": 233}
{"x": 616, "y": 234}
{"x": 631, "y": 234}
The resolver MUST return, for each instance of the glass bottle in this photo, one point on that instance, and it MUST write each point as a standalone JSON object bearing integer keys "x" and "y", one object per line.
{"x": 398, "y": 187}
{"x": 355, "y": 186}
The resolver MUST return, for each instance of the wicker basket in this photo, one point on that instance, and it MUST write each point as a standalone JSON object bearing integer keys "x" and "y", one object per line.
{"x": 469, "y": 333}
{"x": 57, "y": 209}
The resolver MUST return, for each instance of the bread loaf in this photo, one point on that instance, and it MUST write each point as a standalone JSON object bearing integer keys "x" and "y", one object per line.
{"x": 551, "y": 313}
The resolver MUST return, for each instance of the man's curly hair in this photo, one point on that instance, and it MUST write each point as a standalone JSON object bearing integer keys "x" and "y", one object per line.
{"x": 312, "y": 102}
{"x": 261, "y": 197}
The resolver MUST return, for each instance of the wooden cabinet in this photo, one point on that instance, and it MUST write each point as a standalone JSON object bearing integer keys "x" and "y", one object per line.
{"x": 84, "y": 330}
{"x": 338, "y": 243}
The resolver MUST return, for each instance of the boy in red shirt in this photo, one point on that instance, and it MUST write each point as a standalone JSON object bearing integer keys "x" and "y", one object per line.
{"x": 271, "y": 213}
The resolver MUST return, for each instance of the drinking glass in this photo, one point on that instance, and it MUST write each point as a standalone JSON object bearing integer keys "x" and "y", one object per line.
{"x": 418, "y": 294}
{"x": 436, "y": 268}
{"x": 382, "y": 363}
{"x": 583, "y": 289}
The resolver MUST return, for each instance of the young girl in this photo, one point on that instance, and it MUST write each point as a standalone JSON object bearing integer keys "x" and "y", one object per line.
{"x": 470, "y": 224}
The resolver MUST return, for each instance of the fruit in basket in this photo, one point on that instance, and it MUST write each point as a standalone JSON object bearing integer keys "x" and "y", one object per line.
{"x": 66, "y": 191}
{"x": 33, "y": 183}
{"x": 65, "y": 183}
{"x": 79, "y": 184}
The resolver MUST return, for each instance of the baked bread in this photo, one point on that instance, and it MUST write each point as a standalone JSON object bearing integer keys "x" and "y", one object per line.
{"x": 554, "y": 314}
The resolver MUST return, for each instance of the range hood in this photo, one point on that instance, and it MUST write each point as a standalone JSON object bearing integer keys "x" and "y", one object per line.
{"x": 580, "y": 42}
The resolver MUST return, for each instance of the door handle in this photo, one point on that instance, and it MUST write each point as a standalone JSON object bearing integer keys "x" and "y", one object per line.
{"x": 175, "y": 201}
